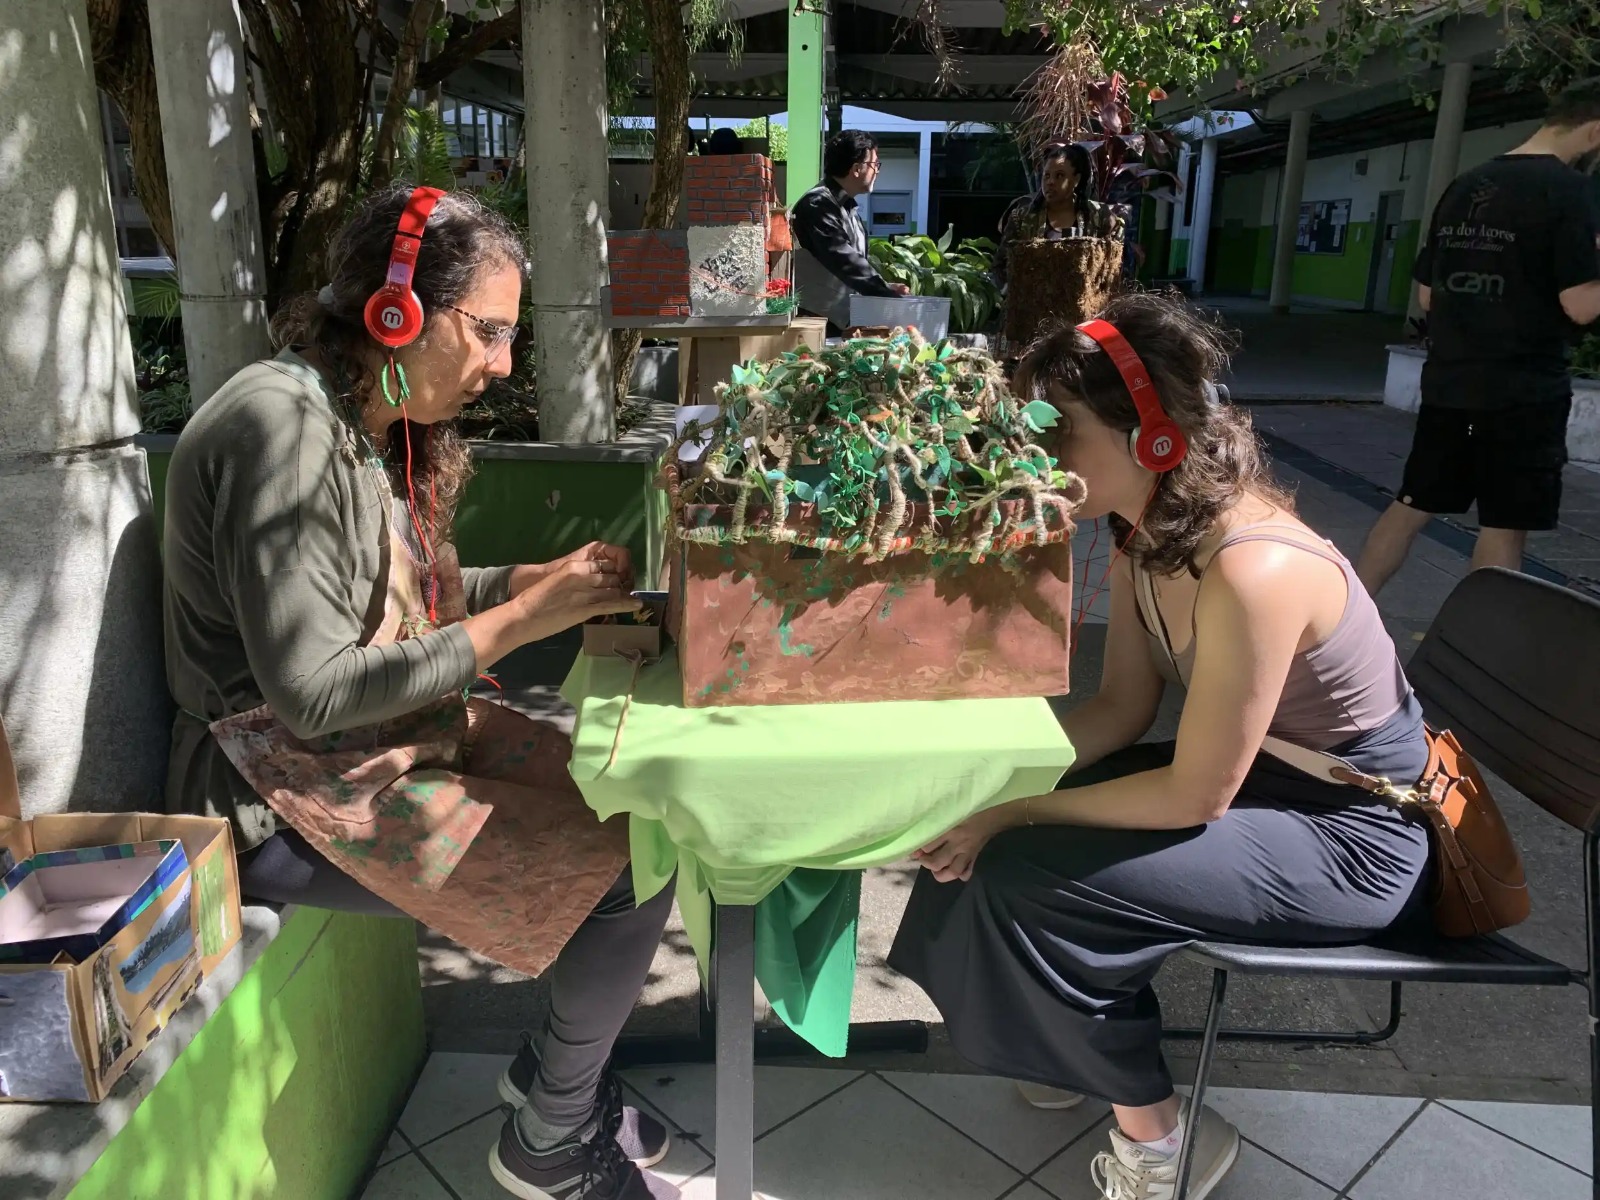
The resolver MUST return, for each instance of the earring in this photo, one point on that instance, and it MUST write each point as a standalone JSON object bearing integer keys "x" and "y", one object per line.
{"x": 402, "y": 391}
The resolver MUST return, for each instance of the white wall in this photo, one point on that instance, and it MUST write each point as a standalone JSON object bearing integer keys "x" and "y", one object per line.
{"x": 1402, "y": 166}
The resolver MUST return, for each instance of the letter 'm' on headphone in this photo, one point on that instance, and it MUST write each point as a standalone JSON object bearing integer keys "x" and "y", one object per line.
{"x": 393, "y": 314}
{"x": 1158, "y": 443}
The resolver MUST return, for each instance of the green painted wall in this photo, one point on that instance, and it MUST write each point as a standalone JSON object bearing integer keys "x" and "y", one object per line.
{"x": 1266, "y": 247}
{"x": 290, "y": 1090}
{"x": 1338, "y": 276}
{"x": 530, "y": 510}
{"x": 1233, "y": 262}
{"x": 516, "y": 510}
{"x": 1178, "y": 259}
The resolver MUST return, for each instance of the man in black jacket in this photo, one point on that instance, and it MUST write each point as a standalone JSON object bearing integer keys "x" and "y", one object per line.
{"x": 1509, "y": 275}
{"x": 832, "y": 262}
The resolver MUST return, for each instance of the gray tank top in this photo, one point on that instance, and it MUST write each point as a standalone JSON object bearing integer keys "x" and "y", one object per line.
{"x": 1349, "y": 683}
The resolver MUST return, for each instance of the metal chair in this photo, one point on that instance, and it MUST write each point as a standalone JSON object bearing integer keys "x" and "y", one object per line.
{"x": 1512, "y": 665}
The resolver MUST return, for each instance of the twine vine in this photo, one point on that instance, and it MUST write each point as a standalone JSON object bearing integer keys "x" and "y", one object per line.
{"x": 874, "y": 448}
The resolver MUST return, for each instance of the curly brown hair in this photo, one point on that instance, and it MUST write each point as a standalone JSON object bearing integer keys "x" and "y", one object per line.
{"x": 464, "y": 240}
{"x": 1185, "y": 354}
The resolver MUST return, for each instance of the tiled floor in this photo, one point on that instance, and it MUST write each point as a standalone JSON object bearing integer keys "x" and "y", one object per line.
{"x": 894, "y": 1136}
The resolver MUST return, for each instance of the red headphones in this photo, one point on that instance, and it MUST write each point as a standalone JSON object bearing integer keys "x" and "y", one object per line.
{"x": 393, "y": 314}
{"x": 1158, "y": 443}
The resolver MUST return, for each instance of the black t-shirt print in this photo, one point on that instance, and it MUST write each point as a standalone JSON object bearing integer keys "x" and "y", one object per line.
{"x": 1507, "y": 239}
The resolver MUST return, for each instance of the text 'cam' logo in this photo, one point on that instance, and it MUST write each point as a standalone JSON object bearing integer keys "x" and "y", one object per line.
{"x": 1476, "y": 283}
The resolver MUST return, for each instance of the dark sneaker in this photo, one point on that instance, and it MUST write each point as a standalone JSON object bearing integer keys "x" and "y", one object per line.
{"x": 644, "y": 1140}
{"x": 573, "y": 1170}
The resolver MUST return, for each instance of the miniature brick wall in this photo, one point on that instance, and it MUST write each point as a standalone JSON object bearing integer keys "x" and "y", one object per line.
{"x": 727, "y": 189}
{"x": 649, "y": 273}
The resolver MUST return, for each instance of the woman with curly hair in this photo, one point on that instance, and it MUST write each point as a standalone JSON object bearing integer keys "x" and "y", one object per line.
{"x": 1038, "y": 925}
{"x": 320, "y": 638}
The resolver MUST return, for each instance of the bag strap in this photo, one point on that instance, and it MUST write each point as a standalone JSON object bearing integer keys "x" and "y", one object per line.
{"x": 1150, "y": 611}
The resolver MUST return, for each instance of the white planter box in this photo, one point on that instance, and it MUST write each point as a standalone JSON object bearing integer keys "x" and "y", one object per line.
{"x": 1402, "y": 389}
{"x": 929, "y": 314}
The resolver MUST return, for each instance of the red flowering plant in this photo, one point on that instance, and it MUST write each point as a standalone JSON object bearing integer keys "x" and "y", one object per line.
{"x": 1131, "y": 155}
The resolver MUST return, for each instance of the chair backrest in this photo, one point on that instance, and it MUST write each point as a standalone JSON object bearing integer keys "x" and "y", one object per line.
{"x": 1512, "y": 665}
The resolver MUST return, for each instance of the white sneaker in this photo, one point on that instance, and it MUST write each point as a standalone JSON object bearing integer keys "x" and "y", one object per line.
{"x": 1040, "y": 1096}
{"x": 1130, "y": 1172}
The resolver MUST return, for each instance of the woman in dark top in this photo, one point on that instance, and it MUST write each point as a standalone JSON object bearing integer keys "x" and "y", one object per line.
{"x": 1061, "y": 208}
{"x": 320, "y": 637}
{"x": 1038, "y": 926}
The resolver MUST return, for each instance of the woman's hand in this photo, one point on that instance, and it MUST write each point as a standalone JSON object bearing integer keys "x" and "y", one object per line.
{"x": 527, "y": 575}
{"x": 592, "y": 582}
{"x": 951, "y": 856}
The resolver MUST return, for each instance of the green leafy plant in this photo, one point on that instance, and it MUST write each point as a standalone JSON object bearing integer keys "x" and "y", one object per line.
{"x": 161, "y": 374}
{"x": 777, "y": 137}
{"x": 961, "y": 273}
{"x": 156, "y": 297}
{"x": 891, "y": 444}
{"x": 422, "y": 150}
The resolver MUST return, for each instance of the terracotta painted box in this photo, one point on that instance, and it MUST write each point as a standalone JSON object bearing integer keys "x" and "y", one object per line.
{"x": 769, "y": 623}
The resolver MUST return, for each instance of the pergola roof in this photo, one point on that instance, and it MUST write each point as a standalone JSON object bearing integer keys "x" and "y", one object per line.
{"x": 879, "y": 60}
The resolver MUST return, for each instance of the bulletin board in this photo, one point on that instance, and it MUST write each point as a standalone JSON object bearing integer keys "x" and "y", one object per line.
{"x": 1324, "y": 227}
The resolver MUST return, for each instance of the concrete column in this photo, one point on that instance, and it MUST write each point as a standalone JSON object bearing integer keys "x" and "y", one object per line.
{"x": 82, "y": 688}
{"x": 1289, "y": 190}
{"x": 1444, "y": 159}
{"x": 198, "y": 48}
{"x": 1205, "y": 186}
{"x": 564, "y": 83}
{"x": 925, "y": 182}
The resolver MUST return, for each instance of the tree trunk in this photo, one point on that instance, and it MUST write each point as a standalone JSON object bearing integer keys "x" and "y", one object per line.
{"x": 125, "y": 70}
{"x": 306, "y": 70}
{"x": 669, "y": 58}
{"x": 403, "y": 73}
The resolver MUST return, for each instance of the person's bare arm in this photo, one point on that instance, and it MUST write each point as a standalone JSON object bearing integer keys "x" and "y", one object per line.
{"x": 1124, "y": 707}
{"x": 1424, "y": 297}
{"x": 1582, "y": 303}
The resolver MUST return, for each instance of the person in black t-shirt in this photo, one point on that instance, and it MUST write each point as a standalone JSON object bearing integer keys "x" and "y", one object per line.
{"x": 1509, "y": 274}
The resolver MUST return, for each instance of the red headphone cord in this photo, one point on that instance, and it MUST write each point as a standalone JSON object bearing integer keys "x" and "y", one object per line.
{"x": 425, "y": 541}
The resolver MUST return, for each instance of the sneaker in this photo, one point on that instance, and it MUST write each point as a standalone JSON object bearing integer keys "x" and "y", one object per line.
{"x": 644, "y": 1140}
{"x": 1130, "y": 1172}
{"x": 1040, "y": 1096}
{"x": 576, "y": 1169}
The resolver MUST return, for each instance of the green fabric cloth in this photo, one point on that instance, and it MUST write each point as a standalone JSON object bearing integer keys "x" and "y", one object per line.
{"x": 780, "y": 806}
{"x": 275, "y": 552}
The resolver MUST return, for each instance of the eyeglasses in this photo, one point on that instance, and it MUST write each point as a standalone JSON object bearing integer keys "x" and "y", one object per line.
{"x": 494, "y": 336}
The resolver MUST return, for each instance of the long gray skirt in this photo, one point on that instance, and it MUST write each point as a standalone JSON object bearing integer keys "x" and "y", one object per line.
{"x": 1041, "y": 963}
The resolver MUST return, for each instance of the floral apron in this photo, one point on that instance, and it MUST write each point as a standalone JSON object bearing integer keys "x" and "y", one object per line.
{"x": 461, "y": 813}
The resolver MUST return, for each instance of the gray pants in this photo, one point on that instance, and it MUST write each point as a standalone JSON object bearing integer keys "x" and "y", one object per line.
{"x": 594, "y": 981}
